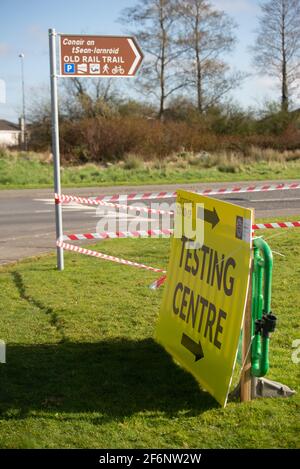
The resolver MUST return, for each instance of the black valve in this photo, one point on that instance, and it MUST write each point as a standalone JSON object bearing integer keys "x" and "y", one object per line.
{"x": 269, "y": 324}
{"x": 265, "y": 325}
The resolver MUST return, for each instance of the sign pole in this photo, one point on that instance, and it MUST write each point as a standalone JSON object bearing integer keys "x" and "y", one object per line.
{"x": 109, "y": 56}
{"x": 55, "y": 145}
{"x": 246, "y": 378}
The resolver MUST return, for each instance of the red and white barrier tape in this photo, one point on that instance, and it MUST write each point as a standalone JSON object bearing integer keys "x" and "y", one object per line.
{"x": 84, "y": 200}
{"x": 278, "y": 224}
{"x": 119, "y": 234}
{"x": 167, "y": 195}
{"x": 149, "y": 233}
{"x": 157, "y": 283}
{"x": 106, "y": 257}
{"x": 153, "y": 211}
{"x": 165, "y": 232}
{"x": 258, "y": 226}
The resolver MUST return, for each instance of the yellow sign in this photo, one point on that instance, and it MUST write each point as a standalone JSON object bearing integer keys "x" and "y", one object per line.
{"x": 205, "y": 295}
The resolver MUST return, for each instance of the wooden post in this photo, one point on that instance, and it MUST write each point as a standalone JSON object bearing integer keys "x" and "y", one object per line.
{"x": 246, "y": 349}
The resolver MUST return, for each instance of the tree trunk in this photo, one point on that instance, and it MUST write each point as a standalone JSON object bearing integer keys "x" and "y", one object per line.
{"x": 284, "y": 91}
{"x": 199, "y": 83}
{"x": 198, "y": 64}
{"x": 162, "y": 95}
{"x": 162, "y": 66}
{"x": 285, "y": 94}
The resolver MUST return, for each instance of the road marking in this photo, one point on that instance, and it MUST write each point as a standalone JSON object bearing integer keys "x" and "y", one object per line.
{"x": 284, "y": 199}
{"x": 70, "y": 207}
{"x": 29, "y": 236}
{"x": 43, "y": 211}
{"x": 47, "y": 201}
{"x": 98, "y": 211}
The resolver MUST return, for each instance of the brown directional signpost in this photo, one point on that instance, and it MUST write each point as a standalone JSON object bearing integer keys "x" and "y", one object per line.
{"x": 102, "y": 56}
{"x": 85, "y": 56}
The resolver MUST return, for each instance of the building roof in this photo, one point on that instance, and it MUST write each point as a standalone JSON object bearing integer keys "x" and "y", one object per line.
{"x": 8, "y": 126}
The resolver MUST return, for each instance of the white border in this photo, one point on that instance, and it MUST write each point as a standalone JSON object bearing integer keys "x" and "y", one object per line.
{"x": 139, "y": 57}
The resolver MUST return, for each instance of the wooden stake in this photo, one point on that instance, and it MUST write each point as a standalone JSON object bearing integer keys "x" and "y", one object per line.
{"x": 246, "y": 350}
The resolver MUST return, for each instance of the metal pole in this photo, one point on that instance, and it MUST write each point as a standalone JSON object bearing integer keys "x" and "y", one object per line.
{"x": 55, "y": 145}
{"x": 23, "y": 129}
{"x": 23, "y": 86}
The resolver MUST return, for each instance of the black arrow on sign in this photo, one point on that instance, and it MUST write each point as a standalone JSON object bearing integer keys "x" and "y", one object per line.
{"x": 210, "y": 216}
{"x": 193, "y": 347}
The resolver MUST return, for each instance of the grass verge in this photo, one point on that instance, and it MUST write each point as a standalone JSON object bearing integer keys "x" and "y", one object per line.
{"x": 83, "y": 370}
{"x": 29, "y": 170}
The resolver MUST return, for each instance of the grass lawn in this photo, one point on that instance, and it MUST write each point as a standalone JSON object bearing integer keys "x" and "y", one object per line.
{"x": 83, "y": 369}
{"x": 34, "y": 171}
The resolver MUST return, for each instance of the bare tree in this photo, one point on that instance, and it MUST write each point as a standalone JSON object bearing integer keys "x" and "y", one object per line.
{"x": 88, "y": 98}
{"x": 79, "y": 98}
{"x": 206, "y": 35}
{"x": 153, "y": 24}
{"x": 39, "y": 104}
{"x": 277, "y": 46}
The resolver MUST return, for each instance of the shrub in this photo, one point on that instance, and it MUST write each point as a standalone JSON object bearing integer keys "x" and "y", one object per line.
{"x": 110, "y": 139}
{"x": 228, "y": 168}
{"x": 132, "y": 162}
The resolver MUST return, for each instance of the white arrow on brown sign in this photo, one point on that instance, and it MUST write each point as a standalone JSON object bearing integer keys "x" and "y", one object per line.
{"x": 99, "y": 56}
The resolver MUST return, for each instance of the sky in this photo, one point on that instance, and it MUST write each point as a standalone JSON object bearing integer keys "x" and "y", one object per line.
{"x": 24, "y": 28}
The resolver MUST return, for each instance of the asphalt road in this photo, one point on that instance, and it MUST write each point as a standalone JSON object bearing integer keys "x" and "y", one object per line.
{"x": 27, "y": 216}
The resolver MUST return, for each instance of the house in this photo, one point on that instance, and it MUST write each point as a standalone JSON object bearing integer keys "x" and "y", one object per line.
{"x": 10, "y": 134}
